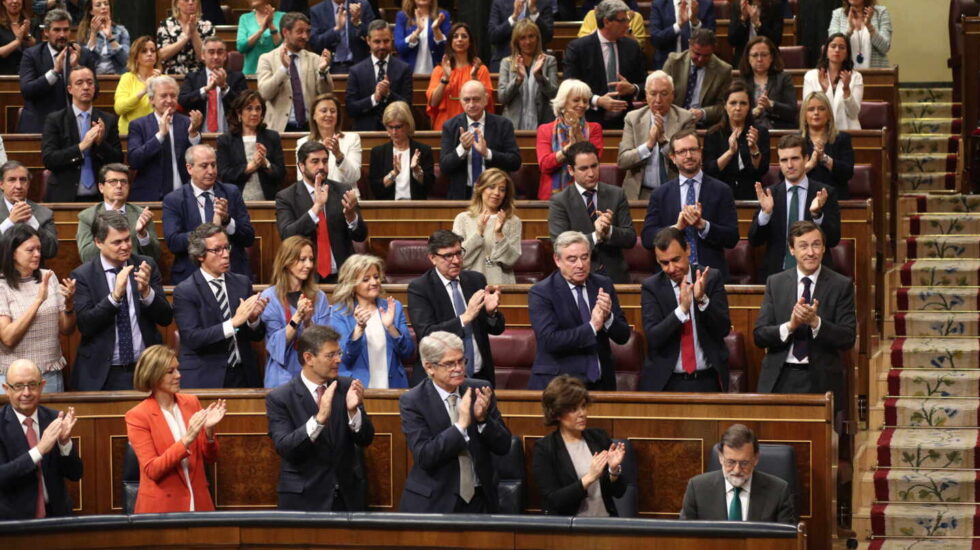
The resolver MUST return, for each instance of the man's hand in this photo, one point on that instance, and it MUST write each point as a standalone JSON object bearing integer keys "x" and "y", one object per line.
{"x": 21, "y": 212}
{"x": 197, "y": 119}
{"x": 466, "y": 138}
{"x": 143, "y": 276}
{"x": 243, "y": 313}
{"x": 355, "y": 396}
{"x": 51, "y": 434}
{"x": 610, "y": 103}
{"x": 491, "y": 298}
{"x": 656, "y": 131}
{"x": 480, "y": 143}
{"x": 800, "y": 311}
{"x": 473, "y": 307}
{"x": 481, "y": 405}
{"x": 349, "y": 202}
{"x": 686, "y": 296}
{"x": 692, "y": 216}
{"x": 321, "y": 192}
{"x": 145, "y": 216}
{"x": 518, "y": 8}
{"x": 621, "y": 86}
{"x": 68, "y": 421}
{"x": 695, "y": 9}
{"x": 355, "y": 14}
{"x": 325, "y": 58}
{"x": 341, "y": 19}
{"x": 221, "y": 216}
{"x": 819, "y": 200}
{"x": 284, "y": 57}
{"x": 601, "y": 310}
{"x": 59, "y": 61}
{"x": 603, "y": 224}
{"x": 382, "y": 89}
{"x": 257, "y": 308}
{"x": 683, "y": 13}
{"x": 764, "y": 196}
{"x": 699, "y": 283}
{"x": 122, "y": 283}
{"x": 464, "y": 415}
{"x": 681, "y": 223}
{"x": 326, "y": 403}
{"x": 698, "y": 114}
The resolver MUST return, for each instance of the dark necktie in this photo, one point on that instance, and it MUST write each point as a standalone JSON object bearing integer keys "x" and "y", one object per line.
{"x": 299, "y": 107}
{"x": 381, "y": 70}
{"x": 590, "y": 204}
{"x": 690, "y": 233}
{"x": 208, "y": 207}
{"x": 222, "y": 297}
{"x": 793, "y": 217}
{"x": 320, "y": 390}
{"x": 39, "y": 510}
{"x": 802, "y": 335}
{"x": 88, "y": 172}
{"x": 459, "y": 305}
{"x": 476, "y": 159}
{"x": 692, "y": 82}
{"x": 735, "y": 510}
{"x": 612, "y": 74}
{"x": 583, "y": 308}
{"x": 124, "y": 331}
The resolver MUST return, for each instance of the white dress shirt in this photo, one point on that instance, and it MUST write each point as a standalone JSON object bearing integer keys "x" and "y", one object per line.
{"x": 403, "y": 181}
{"x": 173, "y": 151}
{"x": 573, "y": 288}
{"x": 477, "y": 358}
{"x": 175, "y": 421}
{"x": 651, "y": 175}
{"x": 804, "y": 185}
{"x": 463, "y": 153}
{"x": 784, "y": 333}
{"x": 8, "y": 223}
{"x": 313, "y": 428}
{"x": 201, "y": 200}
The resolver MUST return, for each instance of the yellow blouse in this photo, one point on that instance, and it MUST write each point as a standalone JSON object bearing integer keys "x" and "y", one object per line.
{"x": 637, "y": 29}
{"x": 127, "y": 106}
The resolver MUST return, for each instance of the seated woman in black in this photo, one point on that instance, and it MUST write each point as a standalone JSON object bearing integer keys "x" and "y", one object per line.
{"x": 736, "y": 150}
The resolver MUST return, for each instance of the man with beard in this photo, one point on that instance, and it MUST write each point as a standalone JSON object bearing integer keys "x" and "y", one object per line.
{"x": 377, "y": 80}
{"x": 737, "y": 492}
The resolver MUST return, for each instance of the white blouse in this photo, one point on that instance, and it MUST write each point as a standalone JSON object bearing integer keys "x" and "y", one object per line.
{"x": 349, "y": 171}
{"x": 377, "y": 350}
{"x": 175, "y": 421}
{"x": 846, "y": 110}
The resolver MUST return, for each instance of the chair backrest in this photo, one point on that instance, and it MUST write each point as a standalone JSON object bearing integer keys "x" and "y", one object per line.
{"x": 535, "y": 262}
{"x": 794, "y": 57}
{"x": 642, "y": 262}
{"x": 406, "y": 260}
{"x": 611, "y": 174}
{"x": 723, "y": 10}
{"x": 235, "y": 61}
{"x": 874, "y": 115}
{"x": 526, "y": 181}
{"x": 629, "y": 361}
{"x": 861, "y": 182}
{"x": 627, "y": 505}
{"x": 774, "y": 459}
{"x": 512, "y": 483}
{"x": 735, "y": 342}
{"x": 513, "y": 356}
{"x": 130, "y": 479}
{"x": 773, "y": 176}
{"x": 441, "y": 185}
{"x": 842, "y": 258}
{"x": 741, "y": 263}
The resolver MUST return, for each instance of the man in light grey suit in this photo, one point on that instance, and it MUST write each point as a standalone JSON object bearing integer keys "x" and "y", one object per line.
{"x": 114, "y": 187}
{"x": 643, "y": 149}
{"x": 15, "y": 181}
{"x": 712, "y": 78}
{"x": 737, "y": 492}
{"x": 806, "y": 321}
{"x": 598, "y": 210}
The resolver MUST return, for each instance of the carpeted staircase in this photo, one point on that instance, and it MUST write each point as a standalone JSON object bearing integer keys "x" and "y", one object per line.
{"x": 919, "y": 463}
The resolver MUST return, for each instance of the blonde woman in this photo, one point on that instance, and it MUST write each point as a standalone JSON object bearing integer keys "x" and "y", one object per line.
{"x": 373, "y": 330}
{"x": 402, "y": 168}
{"x": 829, "y": 152}
{"x": 344, "y": 148}
{"x": 131, "y": 100}
{"x": 180, "y": 37}
{"x": 569, "y": 127}
{"x": 491, "y": 231}
{"x": 528, "y": 79}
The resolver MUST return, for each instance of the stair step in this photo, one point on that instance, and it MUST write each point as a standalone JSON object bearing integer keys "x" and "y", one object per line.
{"x": 936, "y": 109}
{"x": 934, "y": 383}
{"x": 925, "y": 95}
{"x": 952, "y": 203}
{"x": 935, "y": 353}
{"x": 904, "y": 485}
{"x": 928, "y": 323}
{"x": 933, "y": 181}
{"x": 937, "y": 299}
{"x": 942, "y": 247}
{"x": 924, "y": 520}
{"x": 937, "y": 448}
{"x": 928, "y": 143}
{"x": 943, "y": 224}
{"x": 918, "y": 163}
{"x": 940, "y": 272}
{"x": 929, "y": 126}
{"x": 912, "y": 412}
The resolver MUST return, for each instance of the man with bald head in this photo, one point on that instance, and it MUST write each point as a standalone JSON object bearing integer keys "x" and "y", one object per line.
{"x": 474, "y": 141}
{"x": 643, "y": 149}
{"x": 36, "y": 450}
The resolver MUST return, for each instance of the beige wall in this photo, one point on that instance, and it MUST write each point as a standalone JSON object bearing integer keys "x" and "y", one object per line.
{"x": 920, "y": 39}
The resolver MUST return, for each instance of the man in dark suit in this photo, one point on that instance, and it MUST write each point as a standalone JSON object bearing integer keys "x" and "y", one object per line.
{"x": 322, "y": 211}
{"x": 15, "y": 181}
{"x": 114, "y": 188}
{"x": 319, "y": 472}
{"x": 218, "y": 317}
{"x": 504, "y": 14}
{"x": 376, "y": 81}
{"x": 806, "y": 322}
{"x": 119, "y": 301}
{"x": 699, "y": 205}
{"x": 33, "y": 477}
{"x": 213, "y": 89}
{"x": 701, "y": 78}
{"x": 341, "y": 27}
{"x": 158, "y": 141}
{"x": 574, "y": 314}
{"x": 452, "y": 426}
{"x": 598, "y": 210}
{"x": 794, "y": 199}
{"x": 448, "y": 298}
{"x": 77, "y": 141}
{"x": 206, "y": 201}
{"x": 737, "y": 492}
{"x": 42, "y": 72}
{"x": 671, "y": 25}
{"x": 474, "y": 141}
{"x": 610, "y": 62}
{"x": 685, "y": 319}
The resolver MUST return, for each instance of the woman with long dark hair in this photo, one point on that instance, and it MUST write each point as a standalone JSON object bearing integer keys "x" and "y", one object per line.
{"x": 836, "y": 78}
{"x": 249, "y": 154}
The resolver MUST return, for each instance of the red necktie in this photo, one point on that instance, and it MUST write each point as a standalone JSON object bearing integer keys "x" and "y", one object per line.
{"x": 320, "y": 390}
{"x": 688, "y": 359}
{"x": 31, "y": 443}
{"x": 322, "y": 246}
{"x": 213, "y": 110}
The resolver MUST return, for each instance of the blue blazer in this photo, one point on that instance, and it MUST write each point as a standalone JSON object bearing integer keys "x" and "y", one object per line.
{"x": 409, "y": 54}
{"x": 662, "y": 35}
{"x": 717, "y": 207}
{"x": 41, "y": 98}
{"x": 565, "y": 344}
{"x": 360, "y": 87}
{"x": 151, "y": 160}
{"x": 18, "y": 476}
{"x": 283, "y": 364}
{"x": 97, "y": 320}
{"x": 501, "y": 140}
{"x": 432, "y": 485}
{"x": 181, "y": 216}
{"x": 356, "y": 363}
{"x": 501, "y": 30}
{"x": 203, "y": 346}
{"x": 324, "y": 36}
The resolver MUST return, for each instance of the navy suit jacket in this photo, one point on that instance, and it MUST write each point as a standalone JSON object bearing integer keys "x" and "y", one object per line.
{"x": 583, "y": 60}
{"x": 18, "y": 477}
{"x": 717, "y": 207}
{"x": 97, "y": 320}
{"x": 309, "y": 470}
{"x": 432, "y": 485}
{"x": 663, "y": 329}
{"x": 61, "y": 155}
{"x": 360, "y": 87}
{"x": 151, "y": 159}
{"x": 181, "y": 216}
{"x": 501, "y": 140}
{"x": 323, "y": 34}
{"x": 203, "y": 346}
{"x": 41, "y": 98}
{"x": 662, "y": 35}
{"x": 566, "y": 344}
{"x": 190, "y": 91}
{"x": 501, "y": 30}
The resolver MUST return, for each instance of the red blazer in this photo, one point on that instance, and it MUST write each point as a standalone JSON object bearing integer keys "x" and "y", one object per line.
{"x": 162, "y": 484}
{"x": 546, "y": 157}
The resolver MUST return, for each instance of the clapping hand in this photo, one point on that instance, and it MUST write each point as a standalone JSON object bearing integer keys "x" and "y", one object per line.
{"x": 603, "y": 224}
{"x": 491, "y": 298}
{"x": 481, "y": 403}
{"x": 66, "y": 288}
{"x": 538, "y": 66}
{"x": 21, "y": 212}
{"x": 617, "y": 452}
{"x": 733, "y": 141}
{"x": 475, "y": 70}
{"x": 819, "y": 200}
{"x": 699, "y": 283}
{"x": 213, "y": 414}
{"x": 752, "y": 139}
{"x": 355, "y": 396}
{"x": 197, "y": 119}
{"x": 764, "y": 196}
{"x": 68, "y": 421}
{"x": 325, "y": 58}
{"x": 388, "y": 313}
{"x": 122, "y": 283}
{"x": 601, "y": 310}
{"x": 326, "y": 403}
{"x": 361, "y": 316}
{"x": 221, "y": 216}
{"x": 466, "y": 138}
{"x": 349, "y": 202}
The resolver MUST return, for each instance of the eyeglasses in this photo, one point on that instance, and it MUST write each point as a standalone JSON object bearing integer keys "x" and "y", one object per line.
{"x": 394, "y": 127}
{"x": 450, "y": 256}
{"x": 21, "y": 386}
{"x": 685, "y": 152}
{"x": 219, "y": 249}
{"x": 743, "y": 464}
{"x": 118, "y": 182}
{"x": 620, "y": 19}
{"x": 334, "y": 355}
{"x": 452, "y": 364}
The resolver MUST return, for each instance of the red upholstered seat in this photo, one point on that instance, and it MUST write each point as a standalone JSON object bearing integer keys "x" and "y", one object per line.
{"x": 526, "y": 181}
{"x": 535, "y": 262}
{"x": 513, "y": 355}
{"x": 641, "y": 261}
{"x": 406, "y": 260}
{"x": 794, "y": 57}
{"x": 741, "y": 263}
{"x": 735, "y": 342}
{"x": 772, "y": 177}
{"x": 861, "y": 182}
{"x": 874, "y": 115}
{"x": 629, "y": 361}
{"x": 611, "y": 174}
{"x": 235, "y": 61}
{"x": 842, "y": 257}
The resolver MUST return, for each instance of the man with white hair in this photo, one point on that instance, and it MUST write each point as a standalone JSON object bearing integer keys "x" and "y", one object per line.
{"x": 452, "y": 425}
{"x": 475, "y": 140}
{"x": 643, "y": 149}
{"x": 158, "y": 142}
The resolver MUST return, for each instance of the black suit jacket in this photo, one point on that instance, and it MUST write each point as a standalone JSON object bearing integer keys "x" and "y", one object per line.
{"x": 432, "y": 484}
{"x": 382, "y": 159}
{"x": 97, "y": 320}
{"x": 842, "y": 152}
{"x": 232, "y": 161}
{"x": 41, "y": 98}
{"x": 742, "y": 181}
{"x": 785, "y": 115}
{"x": 190, "y": 92}
{"x": 501, "y": 140}
{"x": 663, "y": 329}
{"x": 309, "y": 470}
{"x": 771, "y": 26}
{"x": 362, "y": 79}
{"x": 293, "y": 218}
{"x": 560, "y": 486}
{"x": 583, "y": 60}
{"x": 61, "y": 155}
{"x": 769, "y": 500}
{"x": 431, "y": 310}
{"x": 566, "y": 212}
{"x": 18, "y": 477}
{"x": 775, "y": 233}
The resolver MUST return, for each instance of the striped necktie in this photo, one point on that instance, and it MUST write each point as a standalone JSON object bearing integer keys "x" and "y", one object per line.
{"x": 222, "y": 297}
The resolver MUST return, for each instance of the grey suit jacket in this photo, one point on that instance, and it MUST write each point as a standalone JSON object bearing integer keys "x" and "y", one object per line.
{"x": 635, "y": 133}
{"x": 566, "y": 212}
{"x": 717, "y": 78}
{"x": 509, "y": 92}
{"x": 769, "y": 499}
{"x": 45, "y": 228}
{"x": 86, "y": 241}
{"x": 835, "y": 294}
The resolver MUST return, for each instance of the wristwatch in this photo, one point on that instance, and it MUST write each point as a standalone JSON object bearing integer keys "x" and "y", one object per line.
{"x": 293, "y": 323}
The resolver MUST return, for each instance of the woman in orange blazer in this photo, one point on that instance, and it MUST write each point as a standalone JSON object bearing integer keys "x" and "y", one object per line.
{"x": 173, "y": 438}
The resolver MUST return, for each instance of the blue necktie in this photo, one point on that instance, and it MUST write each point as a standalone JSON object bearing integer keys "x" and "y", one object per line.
{"x": 124, "y": 332}
{"x": 208, "y": 207}
{"x": 690, "y": 232}
{"x": 343, "y": 48}
{"x": 801, "y": 336}
{"x": 692, "y": 82}
{"x": 88, "y": 174}
{"x": 583, "y": 308}
{"x": 476, "y": 159}
{"x": 460, "y": 306}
